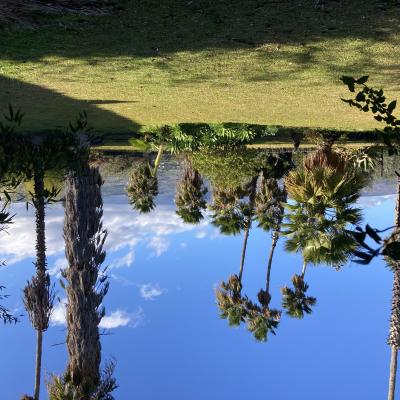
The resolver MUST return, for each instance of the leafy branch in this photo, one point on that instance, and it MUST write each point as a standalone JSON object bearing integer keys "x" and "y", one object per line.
{"x": 372, "y": 100}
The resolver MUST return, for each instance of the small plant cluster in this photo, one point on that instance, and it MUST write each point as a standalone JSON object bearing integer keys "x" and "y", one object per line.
{"x": 62, "y": 387}
{"x": 192, "y": 137}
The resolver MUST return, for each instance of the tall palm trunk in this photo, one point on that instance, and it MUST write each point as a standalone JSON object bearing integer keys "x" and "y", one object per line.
{"x": 252, "y": 196}
{"x": 38, "y": 295}
{"x": 304, "y": 269}
{"x": 158, "y": 160}
{"x": 244, "y": 247}
{"x": 394, "y": 335}
{"x": 40, "y": 263}
{"x": 40, "y": 221}
{"x": 275, "y": 238}
{"x": 84, "y": 239}
{"x": 39, "y": 344}
{"x": 394, "y": 331}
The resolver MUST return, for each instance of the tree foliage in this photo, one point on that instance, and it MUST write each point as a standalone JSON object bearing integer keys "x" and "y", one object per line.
{"x": 368, "y": 99}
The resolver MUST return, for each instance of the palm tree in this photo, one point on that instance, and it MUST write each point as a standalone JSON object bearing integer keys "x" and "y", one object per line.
{"x": 323, "y": 208}
{"x": 230, "y": 301}
{"x": 394, "y": 331}
{"x": 228, "y": 210}
{"x": 189, "y": 198}
{"x": 38, "y": 293}
{"x": 295, "y": 301}
{"x": 262, "y": 320}
{"x": 86, "y": 287}
{"x": 323, "y": 190}
{"x": 142, "y": 187}
{"x": 84, "y": 239}
{"x": 269, "y": 211}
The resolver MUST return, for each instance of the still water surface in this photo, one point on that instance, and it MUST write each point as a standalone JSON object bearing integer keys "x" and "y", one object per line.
{"x": 162, "y": 327}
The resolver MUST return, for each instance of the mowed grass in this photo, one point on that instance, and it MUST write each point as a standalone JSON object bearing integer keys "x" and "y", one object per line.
{"x": 151, "y": 63}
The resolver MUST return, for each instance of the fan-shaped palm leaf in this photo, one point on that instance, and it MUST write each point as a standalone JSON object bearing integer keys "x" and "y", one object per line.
{"x": 323, "y": 192}
{"x": 295, "y": 300}
{"x": 261, "y": 320}
{"x": 230, "y": 301}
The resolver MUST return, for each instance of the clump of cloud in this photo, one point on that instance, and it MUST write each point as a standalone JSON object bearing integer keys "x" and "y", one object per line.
{"x": 115, "y": 319}
{"x": 159, "y": 244}
{"x": 125, "y": 261}
{"x": 149, "y": 291}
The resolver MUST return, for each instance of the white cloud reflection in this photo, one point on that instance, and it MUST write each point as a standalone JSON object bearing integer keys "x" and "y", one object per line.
{"x": 149, "y": 291}
{"x": 115, "y": 319}
{"x": 124, "y": 261}
{"x": 126, "y": 229}
{"x": 159, "y": 244}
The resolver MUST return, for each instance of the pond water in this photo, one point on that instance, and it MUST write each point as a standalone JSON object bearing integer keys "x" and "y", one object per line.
{"x": 162, "y": 327}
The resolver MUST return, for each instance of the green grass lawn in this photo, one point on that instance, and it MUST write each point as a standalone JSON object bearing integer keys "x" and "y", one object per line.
{"x": 256, "y": 61}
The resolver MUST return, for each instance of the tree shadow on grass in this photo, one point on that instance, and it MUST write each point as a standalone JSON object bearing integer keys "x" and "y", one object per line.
{"x": 43, "y": 106}
{"x": 149, "y": 28}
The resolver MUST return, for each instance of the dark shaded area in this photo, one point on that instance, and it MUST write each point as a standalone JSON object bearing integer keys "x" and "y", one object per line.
{"x": 151, "y": 28}
{"x": 42, "y": 106}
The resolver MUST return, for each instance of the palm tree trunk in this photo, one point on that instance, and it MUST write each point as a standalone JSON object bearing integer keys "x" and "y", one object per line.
{"x": 158, "y": 160}
{"x": 40, "y": 221}
{"x": 252, "y": 196}
{"x": 394, "y": 331}
{"x": 393, "y": 370}
{"x": 397, "y": 211}
{"x": 246, "y": 237}
{"x": 84, "y": 240}
{"x": 304, "y": 269}
{"x": 39, "y": 342}
{"x": 40, "y": 264}
{"x": 275, "y": 238}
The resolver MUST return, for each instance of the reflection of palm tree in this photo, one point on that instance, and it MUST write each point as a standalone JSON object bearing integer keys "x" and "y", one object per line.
{"x": 323, "y": 191}
{"x": 84, "y": 239}
{"x": 248, "y": 212}
{"x": 86, "y": 287}
{"x": 230, "y": 301}
{"x": 394, "y": 331}
{"x": 238, "y": 308}
{"x": 190, "y": 195}
{"x": 262, "y": 320}
{"x": 295, "y": 301}
{"x": 142, "y": 187}
{"x": 323, "y": 207}
{"x": 38, "y": 295}
{"x": 227, "y": 210}
{"x": 269, "y": 213}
